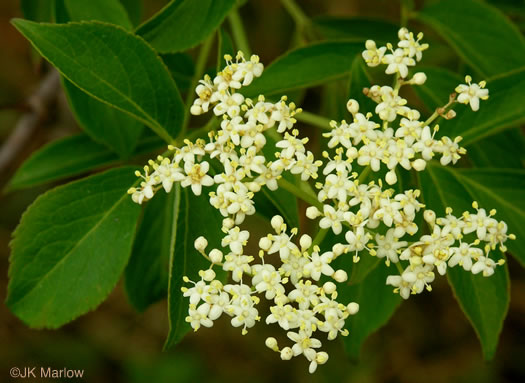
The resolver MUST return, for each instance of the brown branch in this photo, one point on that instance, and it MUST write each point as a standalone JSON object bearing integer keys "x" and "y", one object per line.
{"x": 30, "y": 120}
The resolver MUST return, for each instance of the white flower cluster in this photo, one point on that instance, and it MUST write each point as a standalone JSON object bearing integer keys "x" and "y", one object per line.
{"x": 372, "y": 218}
{"x": 378, "y": 220}
{"x": 299, "y": 305}
{"x": 237, "y": 146}
{"x": 447, "y": 246}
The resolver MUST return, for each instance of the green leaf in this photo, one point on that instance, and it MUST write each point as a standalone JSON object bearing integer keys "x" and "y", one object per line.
{"x": 68, "y": 157}
{"x": 109, "y": 11}
{"x": 133, "y": 9}
{"x": 225, "y": 47}
{"x": 503, "y": 150}
{"x": 37, "y": 10}
{"x": 504, "y": 108}
{"x": 377, "y": 304}
{"x": 70, "y": 248}
{"x": 113, "y": 66}
{"x": 481, "y": 35}
{"x": 194, "y": 217}
{"x": 147, "y": 271}
{"x": 181, "y": 67}
{"x": 357, "y": 29}
{"x": 483, "y": 300}
{"x": 182, "y": 24}
{"x": 305, "y": 67}
{"x": 360, "y": 79}
{"x": 105, "y": 124}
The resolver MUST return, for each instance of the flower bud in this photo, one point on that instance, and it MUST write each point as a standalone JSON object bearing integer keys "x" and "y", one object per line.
{"x": 200, "y": 244}
{"x": 340, "y": 276}
{"x": 216, "y": 256}
{"x": 286, "y": 353}
{"x": 419, "y": 78}
{"x": 419, "y": 164}
{"x": 353, "y": 308}
{"x": 265, "y": 243}
{"x": 271, "y": 343}
{"x": 305, "y": 241}
{"x": 312, "y": 212}
{"x": 329, "y": 287}
{"x": 277, "y": 223}
{"x": 391, "y": 177}
{"x": 208, "y": 275}
{"x": 321, "y": 357}
{"x": 338, "y": 249}
{"x": 227, "y": 223}
{"x": 352, "y": 106}
{"x": 429, "y": 216}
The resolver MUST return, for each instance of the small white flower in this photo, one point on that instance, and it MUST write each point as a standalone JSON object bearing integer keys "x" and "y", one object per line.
{"x": 471, "y": 93}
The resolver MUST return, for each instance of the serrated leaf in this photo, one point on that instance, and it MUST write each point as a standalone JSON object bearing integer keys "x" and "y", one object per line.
{"x": 305, "y": 67}
{"x": 501, "y": 111}
{"x": 377, "y": 304}
{"x": 67, "y": 157}
{"x": 356, "y": 29}
{"x": 113, "y": 66}
{"x": 484, "y": 300}
{"x": 146, "y": 275}
{"x": 70, "y": 248}
{"x": 110, "y": 11}
{"x": 133, "y": 9}
{"x": 105, "y": 124}
{"x": 481, "y": 35}
{"x": 194, "y": 217}
{"x": 182, "y": 24}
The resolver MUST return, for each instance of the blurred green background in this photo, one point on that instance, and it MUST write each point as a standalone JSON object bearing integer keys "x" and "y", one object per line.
{"x": 427, "y": 340}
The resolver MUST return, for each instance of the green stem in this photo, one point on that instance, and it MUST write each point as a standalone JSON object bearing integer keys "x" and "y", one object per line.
{"x": 302, "y": 21}
{"x": 321, "y": 234}
{"x": 399, "y": 268}
{"x": 314, "y": 120}
{"x": 238, "y": 32}
{"x": 364, "y": 174}
{"x": 439, "y": 111}
{"x": 200, "y": 66}
{"x": 296, "y": 191}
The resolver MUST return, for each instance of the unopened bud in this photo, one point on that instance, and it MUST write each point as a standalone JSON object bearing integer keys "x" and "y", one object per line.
{"x": 340, "y": 276}
{"x": 312, "y": 212}
{"x": 353, "y": 308}
{"x": 419, "y": 164}
{"x": 271, "y": 343}
{"x": 277, "y": 223}
{"x": 391, "y": 177}
{"x": 200, "y": 244}
{"x": 305, "y": 241}
{"x": 329, "y": 287}
{"x": 352, "y": 106}
{"x": 265, "y": 243}
{"x": 450, "y": 114}
{"x": 429, "y": 216}
{"x": 216, "y": 256}
{"x": 208, "y": 275}
{"x": 286, "y": 353}
{"x": 419, "y": 78}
